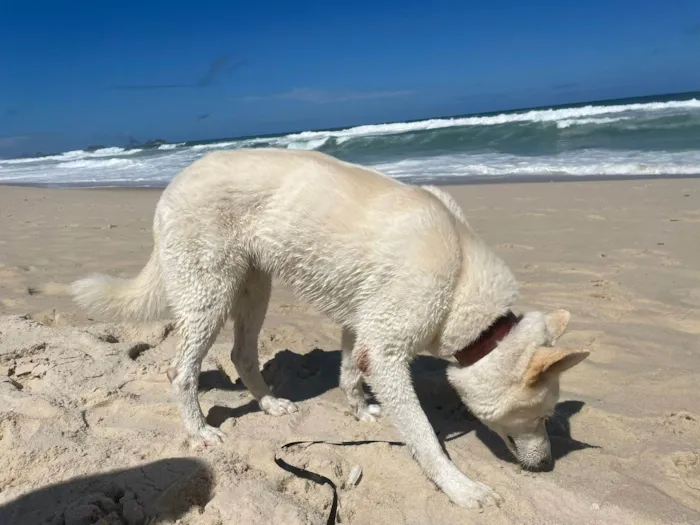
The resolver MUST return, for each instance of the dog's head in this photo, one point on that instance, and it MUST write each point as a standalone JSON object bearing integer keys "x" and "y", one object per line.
{"x": 514, "y": 389}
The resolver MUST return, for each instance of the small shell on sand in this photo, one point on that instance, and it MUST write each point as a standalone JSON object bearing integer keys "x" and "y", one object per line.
{"x": 354, "y": 477}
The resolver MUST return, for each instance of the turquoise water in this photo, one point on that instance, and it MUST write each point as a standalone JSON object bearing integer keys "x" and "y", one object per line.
{"x": 637, "y": 137}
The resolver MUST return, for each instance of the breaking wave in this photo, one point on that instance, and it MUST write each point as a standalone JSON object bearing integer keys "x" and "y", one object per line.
{"x": 650, "y": 137}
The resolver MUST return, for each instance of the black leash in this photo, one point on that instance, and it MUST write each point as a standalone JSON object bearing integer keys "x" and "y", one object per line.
{"x": 318, "y": 478}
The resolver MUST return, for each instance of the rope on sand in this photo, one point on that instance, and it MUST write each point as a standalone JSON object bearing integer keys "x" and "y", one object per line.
{"x": 318, "y": 478}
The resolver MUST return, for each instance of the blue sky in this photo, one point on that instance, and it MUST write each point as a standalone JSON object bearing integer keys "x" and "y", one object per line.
{"x": 78, "y": 73}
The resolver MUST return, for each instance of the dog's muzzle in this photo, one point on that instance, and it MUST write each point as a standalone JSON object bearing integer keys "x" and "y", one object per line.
{"x": 541, "y": 464}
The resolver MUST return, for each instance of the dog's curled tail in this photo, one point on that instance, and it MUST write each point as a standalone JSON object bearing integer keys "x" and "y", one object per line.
{"x": 139, "y": 299}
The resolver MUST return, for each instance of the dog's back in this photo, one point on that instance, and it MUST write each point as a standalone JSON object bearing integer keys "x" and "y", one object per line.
{"x": 333, "y": 231}
{"x": 338, "y": 234}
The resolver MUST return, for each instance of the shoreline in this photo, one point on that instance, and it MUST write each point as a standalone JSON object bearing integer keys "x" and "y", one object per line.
{"x": 465, "y": 180}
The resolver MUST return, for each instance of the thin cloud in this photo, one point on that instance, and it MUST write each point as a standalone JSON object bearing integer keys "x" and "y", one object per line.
{"x": 315, "y": 96}
{"x": 216, "y": 70}
{"x": 11, "y": 112}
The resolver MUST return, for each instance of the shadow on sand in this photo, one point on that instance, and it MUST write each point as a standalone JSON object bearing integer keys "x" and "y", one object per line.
{"x": 302, "y": 377}
{"x": 152, "y": 493}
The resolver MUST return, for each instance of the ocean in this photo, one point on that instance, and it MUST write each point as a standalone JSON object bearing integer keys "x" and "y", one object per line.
{"x": 647, "y": 136}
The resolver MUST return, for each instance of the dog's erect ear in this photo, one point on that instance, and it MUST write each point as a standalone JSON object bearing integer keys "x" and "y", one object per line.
{"x": 557, "y": 322}
{"x": 548, "y": 362}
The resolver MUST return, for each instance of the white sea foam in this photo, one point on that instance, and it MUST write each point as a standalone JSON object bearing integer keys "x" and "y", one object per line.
{"x": 567, "y": 123}
{"x": 537, "y": 115}
{"x": 581, "y": 163}
{"x": 92, "y": 164}
{"x": 102, "y": 152}
{"x": 165, "y": 147}
{"x": 74, "y": 155}
{"x": 159, "y": 170}
{"x": 307, "y": 144}
{"x": 215, "y": 145}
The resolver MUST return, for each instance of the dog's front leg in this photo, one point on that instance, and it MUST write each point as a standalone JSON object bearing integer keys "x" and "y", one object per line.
{"x": 390, "y": 379}
{"x": 351, "y": 380}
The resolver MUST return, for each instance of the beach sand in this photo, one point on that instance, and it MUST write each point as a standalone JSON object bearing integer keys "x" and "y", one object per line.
{"x": 88, "y": 426}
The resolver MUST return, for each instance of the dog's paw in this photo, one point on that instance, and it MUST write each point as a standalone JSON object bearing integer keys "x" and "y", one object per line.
{"x": 368, "y": 413}
{"x": 472, "y": 494}
{"x": 276, "y": 406}
{"x": 207, "y": 437}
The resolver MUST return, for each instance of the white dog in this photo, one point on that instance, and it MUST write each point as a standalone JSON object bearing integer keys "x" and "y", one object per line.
{"x": 395, "y": 265}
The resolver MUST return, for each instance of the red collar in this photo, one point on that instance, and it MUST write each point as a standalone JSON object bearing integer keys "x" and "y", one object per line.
{"x": 488, "y": 340}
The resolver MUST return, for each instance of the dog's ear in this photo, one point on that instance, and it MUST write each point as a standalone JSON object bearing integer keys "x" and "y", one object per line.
{"x": 557, "y": 322}
{"x": 548, "y": 362}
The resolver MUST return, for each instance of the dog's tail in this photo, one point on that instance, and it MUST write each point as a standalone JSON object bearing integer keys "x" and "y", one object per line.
{"x": 139, "y": 299}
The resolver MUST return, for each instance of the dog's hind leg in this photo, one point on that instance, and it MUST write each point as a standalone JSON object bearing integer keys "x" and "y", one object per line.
{"x": 390, "y": 379}
{"x": 351, "y": 380}
{"x": 197, "y": 330}
{"x": 248, "y": 316}
{"x": 200, "y": 291}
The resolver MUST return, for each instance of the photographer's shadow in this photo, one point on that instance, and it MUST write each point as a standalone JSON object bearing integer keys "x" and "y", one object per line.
{"x": 161, "y": 491}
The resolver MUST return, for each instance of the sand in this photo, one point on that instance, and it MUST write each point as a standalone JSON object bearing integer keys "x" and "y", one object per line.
{"x": 89, "y": 430}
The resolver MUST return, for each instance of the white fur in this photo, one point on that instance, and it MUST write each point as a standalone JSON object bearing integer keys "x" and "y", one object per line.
{"x": 138, "y": 299}
{"x": 395, "y": 265}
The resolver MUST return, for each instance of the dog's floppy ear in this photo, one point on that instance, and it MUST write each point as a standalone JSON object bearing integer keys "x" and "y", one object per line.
{"x": 547, "y": 362}
{"x": 557, "y": 322}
